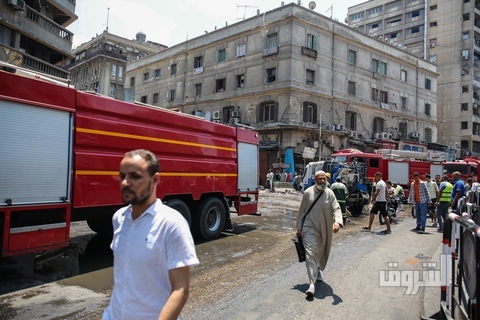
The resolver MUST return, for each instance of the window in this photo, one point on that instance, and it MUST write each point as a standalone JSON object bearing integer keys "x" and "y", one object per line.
{"x": 120, "y": 72}
{"x": 433, "y": 24}
{"x": 414, "y": 30}
{"x": 351, "y": 88}
{"x": 241, "y": 50}
{"x": 240, "y": 80}
{"x": 374, "y": 94}
{"x": 157, "y": 73}
{"x": 403, "y": 102}
{"x": 395, "y": 5}
{"x": 464, "y": 107}
{"x": 350, "y": 120}
{"x": 356, "y": 16}
{"x": 155, "y": 98}
{"x": 352, "y": 57}
{"x": 267, "y": 111}
{"x": 222, "y": 55}
{"x": 271, "y": 75}
{"x": 466, "y": 16}
{"x": 379, "y": 67}
{"x": 383, "y": 96}
{"x": 465, "y": 54}
{"x": 415, "y": 13}
{"x": 309, "y": 112}
{"x": 428, "y": 135}
{"x": 272, "y": 40}
{"x": 220, "y": 85}
{"x": 198, "y": 89}
{"x": 145, "y": 76}
{"x": 198, "y": 62}
{"x": 378, "y": 124}
{"x": 378, "y": 95}
{"x": 143, "y": 99}
{"x": 132, "y": 81}
{"x": 374, "y": 10}
{"x": 434, "y": 7}
{"x": 310, "y": 76}
{"x": 311, "y": 42}
{"x": 395, "y": 35}
{"x": 394, "y": 20}
{"x": 465, "y": 35}
{"x": 114, "y": 70}
{"x": 6, "y": 36}
{"x": 464, "y": 125}
{"x": 171, "y": 95}
{"x": 402, "y": 129}
{"x": 173, "y": 69}
{"x": 427, "y": 109}
{"x": 374, "y": 25}
{"x": 433, "y": 42}
{"x": 464, "y": 89}
{"x": 112, "y": 88}
{"x": 403, "y": 75}
{"x": 428, "y": 84}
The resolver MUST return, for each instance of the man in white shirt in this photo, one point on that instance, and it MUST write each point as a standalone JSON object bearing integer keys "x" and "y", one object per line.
{"x": 379, "y": 201}
{"x": 152, "y": 246}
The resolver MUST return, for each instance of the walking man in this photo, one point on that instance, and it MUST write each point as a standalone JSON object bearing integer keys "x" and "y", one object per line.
{"x": 379, "y": 201}
{"x": 444, "y": 197}
{"x": 152, "y": 245}
{"x": 433, "y": 190}
{"x": 341, "y": 193}
{"x": 458, "y": 190}
{"x": 420, "y": 197}
{"x": 323, "y": 220}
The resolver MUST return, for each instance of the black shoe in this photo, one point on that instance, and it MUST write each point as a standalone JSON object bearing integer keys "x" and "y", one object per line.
{"x": 422, "y": 229}
{"x": 416, "y": 229}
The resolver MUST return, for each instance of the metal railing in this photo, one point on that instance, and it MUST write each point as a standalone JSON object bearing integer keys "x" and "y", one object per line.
{"x": 460, "y": 272}
{"x": 48, "y": 24}
{"x": 33, "y": 63}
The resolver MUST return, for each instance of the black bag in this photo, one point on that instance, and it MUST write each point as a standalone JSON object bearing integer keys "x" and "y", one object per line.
{"x": 298, "y": 240}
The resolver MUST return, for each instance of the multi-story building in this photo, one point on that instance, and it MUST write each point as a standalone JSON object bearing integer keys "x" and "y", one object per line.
{"x": 301, "y": 80}
{"x": 99, "y": 64}
{"x": 33, "y": 34}
{"x": 447, "y": 34}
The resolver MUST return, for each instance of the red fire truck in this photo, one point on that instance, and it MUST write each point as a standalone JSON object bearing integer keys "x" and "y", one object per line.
{"x": 468, "y": 168}
{"x": 357, "y": 169}
{"x": 61, "y": 149}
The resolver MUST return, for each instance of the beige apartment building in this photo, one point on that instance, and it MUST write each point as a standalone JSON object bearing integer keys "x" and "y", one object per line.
{"x": 33, "y": 34}
{"x": 445, "y": 33}
{"x": 99, "y": 65}
{"x": 301, "y": 80}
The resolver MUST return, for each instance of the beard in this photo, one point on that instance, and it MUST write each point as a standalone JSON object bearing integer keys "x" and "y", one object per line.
{"x": 320, "y": 186}
{"x": 141, "y": 198}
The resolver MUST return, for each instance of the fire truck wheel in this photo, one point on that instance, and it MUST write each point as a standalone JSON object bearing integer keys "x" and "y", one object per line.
{"x": 181, "y": 207}
{"x": 209, "y": 218}
{"x": 356, "y": 210}
{"x": 101, "y": 226}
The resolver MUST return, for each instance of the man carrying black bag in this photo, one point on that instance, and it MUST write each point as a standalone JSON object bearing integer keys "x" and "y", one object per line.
{"x": 318, "y": 218}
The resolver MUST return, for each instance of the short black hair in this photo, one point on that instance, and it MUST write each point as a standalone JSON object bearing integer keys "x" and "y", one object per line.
{"x": 149, "y": 157}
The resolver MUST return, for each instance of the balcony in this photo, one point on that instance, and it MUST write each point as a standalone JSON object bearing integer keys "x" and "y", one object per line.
{"x": 476, "y": 83}
{"x": 33, "y": 63}
{"x": 102, "y": 49}
{"x": 270, "y": 51}
{"x": 309, "y": 52}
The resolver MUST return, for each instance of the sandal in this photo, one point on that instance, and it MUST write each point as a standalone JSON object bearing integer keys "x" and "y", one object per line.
{"x": 366, "y": 228}
{"x": 385, "y": 232}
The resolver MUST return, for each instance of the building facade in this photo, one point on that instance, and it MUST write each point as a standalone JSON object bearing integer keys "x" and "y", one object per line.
{"x": 33, "y": 34}
{"x": 301, "y": 80}
{"x": 99, "y": 65}
{"x": 445, "y": 33}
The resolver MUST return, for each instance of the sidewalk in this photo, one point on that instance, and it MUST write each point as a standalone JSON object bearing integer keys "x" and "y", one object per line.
{"x": 431, "y": 295}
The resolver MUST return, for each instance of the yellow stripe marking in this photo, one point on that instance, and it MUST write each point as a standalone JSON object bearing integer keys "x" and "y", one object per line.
{"x": 163, "y": 174}
{"x": 147, "y": 138}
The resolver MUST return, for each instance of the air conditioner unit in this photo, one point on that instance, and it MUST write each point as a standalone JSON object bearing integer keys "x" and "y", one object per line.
{"x": 235, "y": 114}
{"x": 464, "y": 57}
{"x": 464, "y": 72}
{"x": 432, "y": 45}
{"x": 353, "y": 134}
{"x": 383, "y": 105}
{"x": 331, "y": 127}
{"x": 16, "y": 4}
{"x": 216, "y": 114}
{"x": 390, "y": 136}
{"x": 377, "y": 135}
{"x": 384, "y": 135}
{"x": 234, "y": 120}
{"x": 339, "y": 127}
{"x": 415, "y": 134}
{"x": 217, "y": 121}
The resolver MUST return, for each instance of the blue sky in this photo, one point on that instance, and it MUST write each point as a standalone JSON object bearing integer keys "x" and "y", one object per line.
{"x": 170, "y": 22}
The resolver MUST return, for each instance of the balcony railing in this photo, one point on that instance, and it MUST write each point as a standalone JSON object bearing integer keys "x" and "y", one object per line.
{"x": 47, "y": 24}
{"x": 30, "y": 62}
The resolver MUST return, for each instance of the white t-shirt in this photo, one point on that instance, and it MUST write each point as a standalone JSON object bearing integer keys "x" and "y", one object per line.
{"x": 144, "y": 250}
{"x": 381, "y": 194}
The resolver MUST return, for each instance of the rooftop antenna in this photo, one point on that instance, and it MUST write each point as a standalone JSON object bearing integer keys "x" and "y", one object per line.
{"x": 245, "y": 10}
{"x": 108, "y": 15}
{"x": 331, "y": 11}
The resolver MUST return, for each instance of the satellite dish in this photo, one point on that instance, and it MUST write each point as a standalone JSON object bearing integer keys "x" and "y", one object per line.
{"x": 312, "y": 5}
{"x": 258, "y": 11}
{"x": 299, "y": 2}
{"x": 282, "y": 3}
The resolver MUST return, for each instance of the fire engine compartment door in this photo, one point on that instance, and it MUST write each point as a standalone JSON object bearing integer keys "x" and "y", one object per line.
{"x": 35, "y": 147}
{"x": 398, "y": 172}
{"x": 247, "y": 167}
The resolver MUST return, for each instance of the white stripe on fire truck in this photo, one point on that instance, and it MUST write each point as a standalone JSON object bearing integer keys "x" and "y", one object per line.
{"x": 138, "y": 137}
{"x": 164, "y": 174}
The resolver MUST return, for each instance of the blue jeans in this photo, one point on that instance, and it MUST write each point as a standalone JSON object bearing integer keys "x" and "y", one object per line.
{"x": 421, "y": 213}
{"x": 442, "y": 211}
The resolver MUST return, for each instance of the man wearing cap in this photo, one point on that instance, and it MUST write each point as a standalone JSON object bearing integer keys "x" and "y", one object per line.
{"x": 420, "y": 197}
{"x": 323, "y": 220}
{"x": 328, "y": 179}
